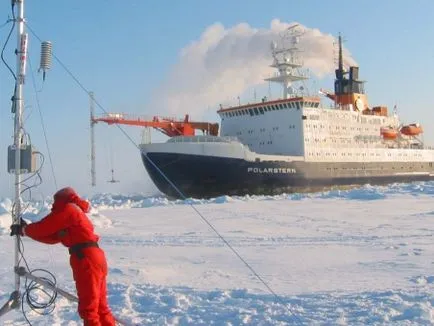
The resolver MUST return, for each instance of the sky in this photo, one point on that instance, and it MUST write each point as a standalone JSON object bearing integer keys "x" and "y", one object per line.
{"x": 179, "y": 57}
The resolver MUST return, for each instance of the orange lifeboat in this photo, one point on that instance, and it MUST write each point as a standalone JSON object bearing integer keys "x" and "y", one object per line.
{"x": 413, "y": 129}
{"x": 389, "y": 133}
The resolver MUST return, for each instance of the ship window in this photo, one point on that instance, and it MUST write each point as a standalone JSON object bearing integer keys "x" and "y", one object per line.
{"x": 269, "y": 108}
{"x": 281, "y": 106}
{"x": 256, "y": 111}
{"x": 297, "y": 104}
{"x": 285, "y": 105}
{"x": 261, "y": 110}
{"x": 251, "y": 112}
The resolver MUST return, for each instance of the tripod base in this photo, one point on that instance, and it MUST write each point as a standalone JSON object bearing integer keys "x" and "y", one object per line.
{"x": 13, "y": 303}
{"x": 22, "y": 271}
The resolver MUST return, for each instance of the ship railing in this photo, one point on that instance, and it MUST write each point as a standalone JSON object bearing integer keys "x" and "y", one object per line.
{"x": 202, "y": 139}
{"x": 138, "y": 117}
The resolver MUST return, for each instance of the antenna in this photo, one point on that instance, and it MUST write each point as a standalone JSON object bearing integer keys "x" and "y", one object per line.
{"x": 286, "y": 60}
{"x": 341, "y": 60}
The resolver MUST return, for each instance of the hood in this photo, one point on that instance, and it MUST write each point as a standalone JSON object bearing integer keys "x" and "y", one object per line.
{"x": 68, "y": 195}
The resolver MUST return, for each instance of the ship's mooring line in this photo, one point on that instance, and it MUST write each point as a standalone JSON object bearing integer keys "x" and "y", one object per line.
{"x": 278, "y": 298}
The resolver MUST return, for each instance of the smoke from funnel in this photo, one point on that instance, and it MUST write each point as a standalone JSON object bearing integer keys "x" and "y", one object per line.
{"x": 224, "y": 62}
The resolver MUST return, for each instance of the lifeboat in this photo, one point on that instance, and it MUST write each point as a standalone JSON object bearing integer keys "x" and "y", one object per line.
{"x": 389, "y": 133}
{"x": 413, "y": 129}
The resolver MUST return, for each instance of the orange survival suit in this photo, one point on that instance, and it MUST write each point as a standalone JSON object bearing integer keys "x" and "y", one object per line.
{"x": 67, "y": 223}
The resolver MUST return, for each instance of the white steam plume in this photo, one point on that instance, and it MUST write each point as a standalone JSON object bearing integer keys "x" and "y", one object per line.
{"x": 224, "y": 63}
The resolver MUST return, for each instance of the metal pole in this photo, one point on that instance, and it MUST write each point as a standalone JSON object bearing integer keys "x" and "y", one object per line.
{"x": 18, "y": 136}
{"x": 92, "y": 139}
{"x": 18, "y": 105}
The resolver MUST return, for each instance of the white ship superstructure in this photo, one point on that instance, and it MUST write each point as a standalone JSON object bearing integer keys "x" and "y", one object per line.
{"x": 295, "y": 143}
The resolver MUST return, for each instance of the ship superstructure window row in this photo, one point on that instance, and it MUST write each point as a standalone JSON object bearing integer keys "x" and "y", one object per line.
{"x": 271, "y": 107}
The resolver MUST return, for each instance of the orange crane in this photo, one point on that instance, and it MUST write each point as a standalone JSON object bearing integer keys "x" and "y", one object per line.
{"x": 168, "y": 126}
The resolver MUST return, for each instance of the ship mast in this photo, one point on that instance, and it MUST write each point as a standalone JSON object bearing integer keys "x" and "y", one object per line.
{"x": 287, "y": 61}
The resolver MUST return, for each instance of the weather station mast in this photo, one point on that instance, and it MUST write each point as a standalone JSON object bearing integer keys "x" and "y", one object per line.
{"x": 18, "y": 154}
{"x": 21, "y": 155}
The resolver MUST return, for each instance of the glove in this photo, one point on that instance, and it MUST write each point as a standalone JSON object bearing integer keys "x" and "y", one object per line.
{"x": 23, "y": 223}
{"x": 16, "y": 229}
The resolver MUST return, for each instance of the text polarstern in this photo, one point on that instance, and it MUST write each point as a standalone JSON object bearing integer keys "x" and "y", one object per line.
{"x": 271, "y": 170}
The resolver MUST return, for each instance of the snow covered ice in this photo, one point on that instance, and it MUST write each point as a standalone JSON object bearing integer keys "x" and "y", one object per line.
{"x": 356, "y": 257}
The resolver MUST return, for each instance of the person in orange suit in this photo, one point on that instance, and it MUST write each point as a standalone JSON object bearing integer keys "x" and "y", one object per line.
{"x": 68, "y": 224}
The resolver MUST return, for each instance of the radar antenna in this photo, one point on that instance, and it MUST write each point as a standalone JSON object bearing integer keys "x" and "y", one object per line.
{"x": 287, "y": 61}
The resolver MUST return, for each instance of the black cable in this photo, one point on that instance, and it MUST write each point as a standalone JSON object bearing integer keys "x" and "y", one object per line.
{"x": 32, "y": 289}
{"x": 5, "y": 23}
{"x": 43, "y": 125}
{"x": 6, "y": 42}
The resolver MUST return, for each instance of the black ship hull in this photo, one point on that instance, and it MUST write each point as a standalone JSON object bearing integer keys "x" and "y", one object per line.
{"x": 201, "y": 176}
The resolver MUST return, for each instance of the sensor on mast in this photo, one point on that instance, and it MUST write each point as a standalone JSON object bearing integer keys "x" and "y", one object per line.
{"x": 46, "y": 52}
